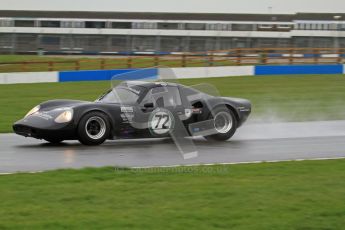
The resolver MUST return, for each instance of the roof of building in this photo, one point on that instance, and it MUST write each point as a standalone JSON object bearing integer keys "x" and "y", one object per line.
{"x": 146, "y": 15}
{"x": 168, "y": 16}
{"x": 318, "y": 16}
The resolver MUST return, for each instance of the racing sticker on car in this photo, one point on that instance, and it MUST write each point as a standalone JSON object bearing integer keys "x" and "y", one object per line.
{"x": 126, "y": 109}
{"x": 161, "y": 122}
{"x": 188, "y": 113}
{"x": 127, "y": 117}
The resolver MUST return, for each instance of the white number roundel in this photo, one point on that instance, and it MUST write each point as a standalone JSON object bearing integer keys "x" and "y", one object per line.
{"x": 161, "y": 122}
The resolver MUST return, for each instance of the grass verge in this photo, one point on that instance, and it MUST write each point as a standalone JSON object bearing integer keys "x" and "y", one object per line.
{"x": 278, "y": 98}
{"x": 291, "y": 195}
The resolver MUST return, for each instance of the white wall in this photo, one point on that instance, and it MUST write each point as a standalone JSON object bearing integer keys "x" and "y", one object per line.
{"x": 204, "y": 72}
{"x": 156, "y": 32}
{"x": 33, "y": 77}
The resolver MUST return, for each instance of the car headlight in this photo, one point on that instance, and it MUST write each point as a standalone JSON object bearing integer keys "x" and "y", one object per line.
{"x": 33, "y": 111}
{"x": 65, "y": 116}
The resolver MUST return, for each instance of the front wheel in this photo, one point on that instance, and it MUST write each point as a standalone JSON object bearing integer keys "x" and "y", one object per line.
{"x": 93, "y": 128}
{"x": 225, "y": 124}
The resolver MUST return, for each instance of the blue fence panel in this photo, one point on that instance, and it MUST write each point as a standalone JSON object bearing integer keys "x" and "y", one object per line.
{"x": 298, "y": 69}
{"x": 311, "y": 55}
{"x": 106, "y": 75}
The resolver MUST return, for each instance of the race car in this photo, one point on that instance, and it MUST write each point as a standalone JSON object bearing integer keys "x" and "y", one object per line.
{"x": 136, "y": 109}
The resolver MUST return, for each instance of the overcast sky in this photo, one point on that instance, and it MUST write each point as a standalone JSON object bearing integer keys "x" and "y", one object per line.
{"x": 211, "y": 6}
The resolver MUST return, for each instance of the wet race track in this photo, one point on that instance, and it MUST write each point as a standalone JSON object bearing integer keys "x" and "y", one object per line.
{"x": 252, "y": 143}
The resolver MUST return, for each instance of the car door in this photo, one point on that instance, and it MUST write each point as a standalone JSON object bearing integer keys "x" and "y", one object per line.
{"x": 160, "y": 107}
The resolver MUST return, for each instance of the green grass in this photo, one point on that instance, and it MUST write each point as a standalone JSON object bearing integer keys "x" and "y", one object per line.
{"x": 282, "y": 98}
{"x": 295, "y": 195}
{"x": 94, "y": 63}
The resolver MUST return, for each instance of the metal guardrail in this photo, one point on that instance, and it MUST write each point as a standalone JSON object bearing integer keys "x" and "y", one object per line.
{"x": 232, "y": 57}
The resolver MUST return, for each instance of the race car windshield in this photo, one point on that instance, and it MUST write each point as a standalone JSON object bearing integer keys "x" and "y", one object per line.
{"x": 123, "y": 95}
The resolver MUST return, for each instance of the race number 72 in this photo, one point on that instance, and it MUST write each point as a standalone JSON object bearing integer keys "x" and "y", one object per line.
{"x": 162, "y": 121}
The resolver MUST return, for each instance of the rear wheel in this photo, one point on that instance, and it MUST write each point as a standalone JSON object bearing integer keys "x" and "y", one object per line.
{"x": 225, "y": 124}
{"x": 93, "y": 129}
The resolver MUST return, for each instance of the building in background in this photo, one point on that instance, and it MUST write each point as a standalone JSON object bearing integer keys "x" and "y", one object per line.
{"x": 161, "y": 33}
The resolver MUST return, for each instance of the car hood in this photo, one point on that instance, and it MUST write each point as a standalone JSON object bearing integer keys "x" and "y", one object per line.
{"x": 54, "y": 104}
{"x": 49, "y": 111}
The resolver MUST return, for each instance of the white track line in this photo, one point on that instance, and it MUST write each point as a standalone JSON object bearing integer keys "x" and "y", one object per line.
{"x": 198, "y": 165}
{"x": 33, "y": 172}
{"x": 239, "y": 163}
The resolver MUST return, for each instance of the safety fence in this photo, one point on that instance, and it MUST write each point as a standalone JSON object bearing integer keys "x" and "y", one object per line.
{"x": 180, "y": 73}
{"x": 232, "y": 57}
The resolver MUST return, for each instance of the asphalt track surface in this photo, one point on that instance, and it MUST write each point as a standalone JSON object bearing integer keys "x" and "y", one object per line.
{"x": 252, "y": 143}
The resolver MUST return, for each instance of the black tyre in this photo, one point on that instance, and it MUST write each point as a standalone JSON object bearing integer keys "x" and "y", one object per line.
{"x": 225, "y": 123}
{"x": 54, "y": 140}
{"x": 93, "y": 128}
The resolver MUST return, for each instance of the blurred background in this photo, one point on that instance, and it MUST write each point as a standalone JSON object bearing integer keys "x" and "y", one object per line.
{"x": 168, "y": 38}
{"x": 62, "y": 32}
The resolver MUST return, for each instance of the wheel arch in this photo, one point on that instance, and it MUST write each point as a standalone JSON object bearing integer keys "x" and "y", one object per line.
{"x": 106, "y": 113}
{"x": 228, "y": 106}
{"x": 235, "y": 112}
{"x": 224, "y": 136}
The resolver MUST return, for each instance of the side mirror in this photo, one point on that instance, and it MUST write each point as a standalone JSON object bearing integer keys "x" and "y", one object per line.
{"x": 149, "y": 105}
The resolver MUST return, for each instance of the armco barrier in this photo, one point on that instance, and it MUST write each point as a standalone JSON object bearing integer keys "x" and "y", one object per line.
{"x": 190, "y": 72}
{"x": 298, "y": 69}
{"x": 31, "y": 77}
{"x": 205, "y": 72}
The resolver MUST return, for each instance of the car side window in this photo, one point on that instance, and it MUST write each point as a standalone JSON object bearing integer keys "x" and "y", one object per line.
{"x": 163, "y": 96}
